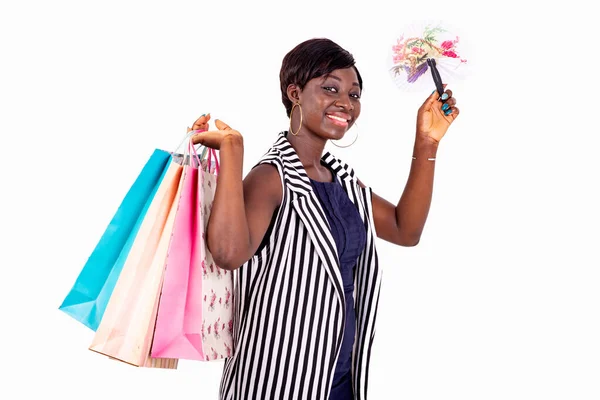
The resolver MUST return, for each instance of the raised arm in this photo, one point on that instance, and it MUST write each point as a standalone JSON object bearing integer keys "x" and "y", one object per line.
{"x": 242, "y": 209}
{"x": 403, "y": 224}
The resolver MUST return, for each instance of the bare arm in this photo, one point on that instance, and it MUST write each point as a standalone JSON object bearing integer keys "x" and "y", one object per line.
{"x": 242, "y": 209}
{"x": 403, "y": 224}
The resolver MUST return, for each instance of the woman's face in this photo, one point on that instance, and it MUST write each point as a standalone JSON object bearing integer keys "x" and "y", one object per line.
{"x": 330, "y": 104}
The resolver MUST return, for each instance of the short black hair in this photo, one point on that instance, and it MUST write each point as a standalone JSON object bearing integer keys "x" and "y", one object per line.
{"x": 311, "y": 59}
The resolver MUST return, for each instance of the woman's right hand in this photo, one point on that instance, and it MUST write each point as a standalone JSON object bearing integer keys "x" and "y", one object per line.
{"x": 215, "y": 138}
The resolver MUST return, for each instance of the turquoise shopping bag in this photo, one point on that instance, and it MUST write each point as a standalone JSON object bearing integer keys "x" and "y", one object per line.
{"x": 88, "y": 298}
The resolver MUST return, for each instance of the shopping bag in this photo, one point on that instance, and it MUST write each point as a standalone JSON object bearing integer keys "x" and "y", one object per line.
{"x": 186, "y": 328}
{"x": 151, "y": 362}
{"x": 126, "y": 329}
{"x": 217, "y": 283}
{"x": 87, "y": 300}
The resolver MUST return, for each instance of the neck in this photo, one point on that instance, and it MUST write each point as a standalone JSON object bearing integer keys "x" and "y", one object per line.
{"x": 309, "y": 148}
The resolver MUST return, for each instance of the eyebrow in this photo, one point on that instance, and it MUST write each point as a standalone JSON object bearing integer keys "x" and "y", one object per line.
{"x": 338, "y": 79}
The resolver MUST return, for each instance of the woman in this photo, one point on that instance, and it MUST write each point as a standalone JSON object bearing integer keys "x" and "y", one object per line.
{"x": 299, "y": 231}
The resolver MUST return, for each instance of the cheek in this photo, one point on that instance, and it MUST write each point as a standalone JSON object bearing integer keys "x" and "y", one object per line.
{"x": 314, "y": 111}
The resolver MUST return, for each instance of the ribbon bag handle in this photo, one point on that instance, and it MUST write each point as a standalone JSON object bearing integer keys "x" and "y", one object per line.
{"x": 187, "y": 138}
{"x": 192, "y": 149}
{"x": 189, "y": 155}
{"x": 211, "y": 153}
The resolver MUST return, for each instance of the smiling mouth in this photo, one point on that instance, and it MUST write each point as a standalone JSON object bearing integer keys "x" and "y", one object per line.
{"x": 338, "y": 120}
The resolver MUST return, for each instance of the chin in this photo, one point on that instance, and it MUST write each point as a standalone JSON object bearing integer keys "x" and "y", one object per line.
{"x": 334, "y": 132}
{"x": 328, "y": 134}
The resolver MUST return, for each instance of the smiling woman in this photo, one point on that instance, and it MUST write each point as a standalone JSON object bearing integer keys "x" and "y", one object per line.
{"x": 299, "y": 231}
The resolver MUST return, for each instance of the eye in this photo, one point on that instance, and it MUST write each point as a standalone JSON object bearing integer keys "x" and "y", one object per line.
{"x": 330, "y": 89}
{"x": 355, "y": 96}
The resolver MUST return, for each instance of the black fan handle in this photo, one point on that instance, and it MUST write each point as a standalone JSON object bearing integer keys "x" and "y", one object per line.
{"x": 436, "y": 76}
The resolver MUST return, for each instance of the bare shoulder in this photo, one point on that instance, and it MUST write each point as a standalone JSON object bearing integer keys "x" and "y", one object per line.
{"x": 263, "y": 181}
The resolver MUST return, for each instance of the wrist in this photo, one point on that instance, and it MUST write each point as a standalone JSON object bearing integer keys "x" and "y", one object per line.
{"x": 424, "y": 139}
{"x": 425, "y": 147}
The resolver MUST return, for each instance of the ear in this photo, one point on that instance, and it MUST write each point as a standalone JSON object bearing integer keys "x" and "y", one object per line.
{"x": 293, "y": 92}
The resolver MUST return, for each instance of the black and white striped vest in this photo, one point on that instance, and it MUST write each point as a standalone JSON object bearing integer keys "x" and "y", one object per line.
{"x": 289, "y": 298}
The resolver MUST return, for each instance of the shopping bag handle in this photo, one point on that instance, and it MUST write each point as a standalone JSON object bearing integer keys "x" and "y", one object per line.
{"x": 187, "y": 137}
{"x": 192, "y": 149}
{"x": 212, "y": 152}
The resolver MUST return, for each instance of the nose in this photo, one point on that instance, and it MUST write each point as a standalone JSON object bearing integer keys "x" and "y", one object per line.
{"x": 345, "y": 103}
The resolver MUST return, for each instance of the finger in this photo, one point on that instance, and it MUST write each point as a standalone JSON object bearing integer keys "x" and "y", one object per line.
{"x": 445, "y": 108}
{"x": 452, "y": 112}
{"x": 451, "y": 101}
{"x": 446, "y": 95}
{"x": 201, "y": 122}
{"x": 221, "y": 125}
{"x": 433, "y": 98}
{"x": 204, "y": 137}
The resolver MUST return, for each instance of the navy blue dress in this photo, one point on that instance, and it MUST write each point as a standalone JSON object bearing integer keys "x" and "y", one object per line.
{"x": 350, "y": 238}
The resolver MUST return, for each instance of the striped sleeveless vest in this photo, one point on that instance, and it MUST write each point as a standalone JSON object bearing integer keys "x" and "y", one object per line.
{"x": 289, "y": 298}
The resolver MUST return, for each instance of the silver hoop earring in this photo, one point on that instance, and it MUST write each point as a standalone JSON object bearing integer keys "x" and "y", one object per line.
{"x": 343, "y": 147}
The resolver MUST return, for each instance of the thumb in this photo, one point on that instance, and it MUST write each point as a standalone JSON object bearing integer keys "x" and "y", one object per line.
{"x": 222, "y": 126}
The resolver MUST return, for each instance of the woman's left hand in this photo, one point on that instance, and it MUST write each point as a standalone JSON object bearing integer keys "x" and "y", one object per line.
{"x": 436, "y": 115}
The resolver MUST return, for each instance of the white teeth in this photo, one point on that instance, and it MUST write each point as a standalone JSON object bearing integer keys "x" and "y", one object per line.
{"x": 337, "y": 118}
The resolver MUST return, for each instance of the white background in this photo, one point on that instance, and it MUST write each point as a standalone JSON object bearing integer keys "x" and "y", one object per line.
{"x": 501, "y": 298}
